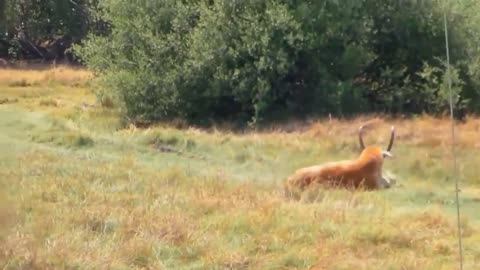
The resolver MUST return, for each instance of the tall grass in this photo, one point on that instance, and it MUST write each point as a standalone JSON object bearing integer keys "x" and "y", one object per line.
{"x": 63, "y": 75}
{"x": 81, "y": 191}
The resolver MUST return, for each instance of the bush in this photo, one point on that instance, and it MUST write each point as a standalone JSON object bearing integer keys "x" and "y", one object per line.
{"x": 250, "y": 60}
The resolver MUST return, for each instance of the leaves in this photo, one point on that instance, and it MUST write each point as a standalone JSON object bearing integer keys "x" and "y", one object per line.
{"x": 254, "y": 60}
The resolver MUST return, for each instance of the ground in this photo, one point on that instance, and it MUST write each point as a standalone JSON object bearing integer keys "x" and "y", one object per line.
{"x": 82, "y": 190}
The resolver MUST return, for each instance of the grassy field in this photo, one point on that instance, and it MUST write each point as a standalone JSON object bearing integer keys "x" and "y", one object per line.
{"x": 80, "y": 190}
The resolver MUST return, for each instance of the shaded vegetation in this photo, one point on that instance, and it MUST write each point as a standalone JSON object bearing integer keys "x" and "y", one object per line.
{"x": 262, "y": 60}
{"x": 46, "y": 29}
{"x": 250, "y": 61}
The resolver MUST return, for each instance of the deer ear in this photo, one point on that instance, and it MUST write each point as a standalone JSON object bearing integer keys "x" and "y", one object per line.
{"x": 386, "y": 154}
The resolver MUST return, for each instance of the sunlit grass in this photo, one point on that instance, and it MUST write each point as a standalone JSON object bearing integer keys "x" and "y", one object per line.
{"x": 80, "y": 212}
{"x": 82, "y": 191}
{"x": 35, "y": 77}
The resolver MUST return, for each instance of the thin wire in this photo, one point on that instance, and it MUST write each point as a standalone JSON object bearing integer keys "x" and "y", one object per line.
{"x": 459, "y": 225}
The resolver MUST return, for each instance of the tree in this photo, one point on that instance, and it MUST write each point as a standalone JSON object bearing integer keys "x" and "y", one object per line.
{"x": 43, "y": 29}
{"x": 252, "y": 60}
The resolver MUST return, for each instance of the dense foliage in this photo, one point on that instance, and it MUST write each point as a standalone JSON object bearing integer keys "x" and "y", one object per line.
{"x": 44, "y": 29}
{"x": 252, "y": 60}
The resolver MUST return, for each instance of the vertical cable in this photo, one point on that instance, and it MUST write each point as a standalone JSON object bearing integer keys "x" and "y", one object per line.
{"x": 449, "y": 77}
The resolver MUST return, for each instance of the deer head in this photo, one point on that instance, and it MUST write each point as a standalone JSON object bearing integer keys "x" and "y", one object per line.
{"x": 384, "y": 153}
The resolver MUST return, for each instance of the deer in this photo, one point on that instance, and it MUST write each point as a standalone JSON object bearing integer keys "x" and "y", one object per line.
{"x": 364, "y": 172}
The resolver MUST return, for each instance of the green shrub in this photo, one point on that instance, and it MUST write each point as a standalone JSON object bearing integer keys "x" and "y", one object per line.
{"x": 251, "y": 60}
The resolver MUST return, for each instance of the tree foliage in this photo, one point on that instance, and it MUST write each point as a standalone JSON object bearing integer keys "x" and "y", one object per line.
{"x": 43, "y": 28}
{"x": 253, "y": 60}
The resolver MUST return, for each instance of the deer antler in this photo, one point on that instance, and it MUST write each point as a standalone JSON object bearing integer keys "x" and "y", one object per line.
{"x": 360, "y": 137}
{"x": 392, "y": 138}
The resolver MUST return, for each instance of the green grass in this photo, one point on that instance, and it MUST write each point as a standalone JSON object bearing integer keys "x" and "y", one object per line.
{"x": 79, "y": 191}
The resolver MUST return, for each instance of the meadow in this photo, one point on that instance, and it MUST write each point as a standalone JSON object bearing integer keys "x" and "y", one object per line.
{"x": 80, "y": 189}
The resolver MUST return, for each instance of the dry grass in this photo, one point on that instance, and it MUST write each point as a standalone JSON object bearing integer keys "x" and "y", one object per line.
{"x": 422, "y": 130}
{"x": 62, "y": 75}
{"x": 78, "y": 192}
{"x": 90, "y": 214}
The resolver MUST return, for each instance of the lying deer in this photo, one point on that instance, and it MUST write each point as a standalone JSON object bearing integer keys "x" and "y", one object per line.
{"x": 365, "y": 171}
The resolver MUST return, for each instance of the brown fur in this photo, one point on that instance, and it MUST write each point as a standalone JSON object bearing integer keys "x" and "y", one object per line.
{"x": 363, "y": 172}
